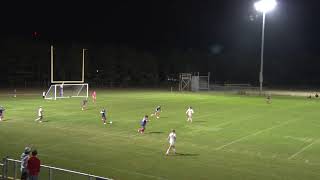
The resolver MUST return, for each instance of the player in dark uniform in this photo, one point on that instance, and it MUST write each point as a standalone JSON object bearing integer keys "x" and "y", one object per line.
{"x": 143, "y": 124}
{"x": 103, "y": 115}
{"x": 1, "y": 113}
{"x": 157, "y": 112}
{"x": 84, "y": 104}
{"x": 268, "y": 98}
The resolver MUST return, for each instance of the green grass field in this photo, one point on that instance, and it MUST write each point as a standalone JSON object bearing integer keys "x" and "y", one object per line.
{"x": 232, "y": 137}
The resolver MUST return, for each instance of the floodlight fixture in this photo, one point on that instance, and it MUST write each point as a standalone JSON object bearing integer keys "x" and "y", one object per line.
{"x": 265, "y": 6}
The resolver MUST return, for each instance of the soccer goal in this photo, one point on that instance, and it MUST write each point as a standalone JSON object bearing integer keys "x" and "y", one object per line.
{"x": 64, "y": 86}
{"x": 57, "y": 91}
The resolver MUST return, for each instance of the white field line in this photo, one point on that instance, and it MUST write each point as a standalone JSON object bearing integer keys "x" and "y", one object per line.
{"x": 303, "y": 149}
{"x": 247, "y": 118}
{"x": 254, "y": 134}
{"x": 137, "y": 173}
{"x": 213, "y": 114}
{"x": 229, "y": 122}
{"x": 235, "y": 109}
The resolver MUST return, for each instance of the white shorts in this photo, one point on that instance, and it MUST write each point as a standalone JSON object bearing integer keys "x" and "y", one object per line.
{"x": 172, "y": 143}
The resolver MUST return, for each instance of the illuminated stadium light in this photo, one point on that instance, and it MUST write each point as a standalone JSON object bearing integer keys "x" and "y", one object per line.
{"x": 265, "y": 5}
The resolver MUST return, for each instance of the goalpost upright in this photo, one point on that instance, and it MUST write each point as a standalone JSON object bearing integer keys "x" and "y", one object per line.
{"x": 67, "y": 88}
{"x": 69, "y": 81}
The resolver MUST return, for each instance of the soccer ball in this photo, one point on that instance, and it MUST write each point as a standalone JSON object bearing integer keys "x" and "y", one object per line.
{"x": 110, "y": 122}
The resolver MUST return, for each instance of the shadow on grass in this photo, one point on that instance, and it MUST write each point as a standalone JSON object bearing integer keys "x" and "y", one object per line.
{"x": 43, "y": 121}
{"x": 155, "y": 132}
{"x": 199, "y": 121}
{"x": 186, "y": 154}
{"x": 163, "y": 117}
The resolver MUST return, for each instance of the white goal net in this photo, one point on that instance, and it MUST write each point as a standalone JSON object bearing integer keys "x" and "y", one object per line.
{"x": 57, "y": 91}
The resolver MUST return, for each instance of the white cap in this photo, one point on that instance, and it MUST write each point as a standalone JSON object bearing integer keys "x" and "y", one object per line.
{"x": 27, "y": 149}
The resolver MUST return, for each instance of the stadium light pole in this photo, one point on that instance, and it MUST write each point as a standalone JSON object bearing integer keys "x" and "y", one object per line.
{"x": 263, "y": 6}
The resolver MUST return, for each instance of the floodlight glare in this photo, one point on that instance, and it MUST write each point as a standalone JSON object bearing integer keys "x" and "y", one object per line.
{"x": 265, "y": 5}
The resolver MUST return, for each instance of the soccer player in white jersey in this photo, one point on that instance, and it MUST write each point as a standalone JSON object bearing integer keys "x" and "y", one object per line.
{"x": 61, "y": 89}
{"x": 44, "y": 94}
{"x": 189, "y": 113}
{"x": 40, "y": 114}
{"x": 172, "y": 141}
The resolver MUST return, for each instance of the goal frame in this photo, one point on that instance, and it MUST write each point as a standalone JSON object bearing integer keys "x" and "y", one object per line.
{"x": 55, "y": 97}
{"x": 53, "y": 81}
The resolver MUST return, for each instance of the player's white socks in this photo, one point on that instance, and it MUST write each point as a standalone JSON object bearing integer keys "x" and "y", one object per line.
{"x": 174, "y": 150}
{"x": 38, "y": 119}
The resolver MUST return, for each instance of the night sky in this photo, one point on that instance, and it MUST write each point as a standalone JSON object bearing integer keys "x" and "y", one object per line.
{"x": 218, "y": 27}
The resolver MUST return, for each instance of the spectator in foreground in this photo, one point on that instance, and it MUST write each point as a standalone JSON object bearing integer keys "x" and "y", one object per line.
{"x": 33, "y": 166}
{"x": 24, "y": 162}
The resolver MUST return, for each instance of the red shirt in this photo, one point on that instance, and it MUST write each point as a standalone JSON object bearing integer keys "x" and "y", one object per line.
{"x": 33, "y": 166}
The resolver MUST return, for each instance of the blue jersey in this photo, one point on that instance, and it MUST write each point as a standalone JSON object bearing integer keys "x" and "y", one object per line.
{"x": 103, "y": 113}
{"x": 144, "y": 121}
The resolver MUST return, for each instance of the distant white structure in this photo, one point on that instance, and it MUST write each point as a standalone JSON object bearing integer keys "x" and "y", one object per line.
{"x": 194, "y": 82}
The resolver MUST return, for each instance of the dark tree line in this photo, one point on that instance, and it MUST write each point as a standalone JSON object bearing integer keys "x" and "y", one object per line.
{"x": 26, "y": 62}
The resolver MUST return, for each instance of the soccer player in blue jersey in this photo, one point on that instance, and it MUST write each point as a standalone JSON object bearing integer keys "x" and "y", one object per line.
{"x": 103, "y": 115}
{"x": 157, "y": 112}
{"x": 143, "y": 124}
